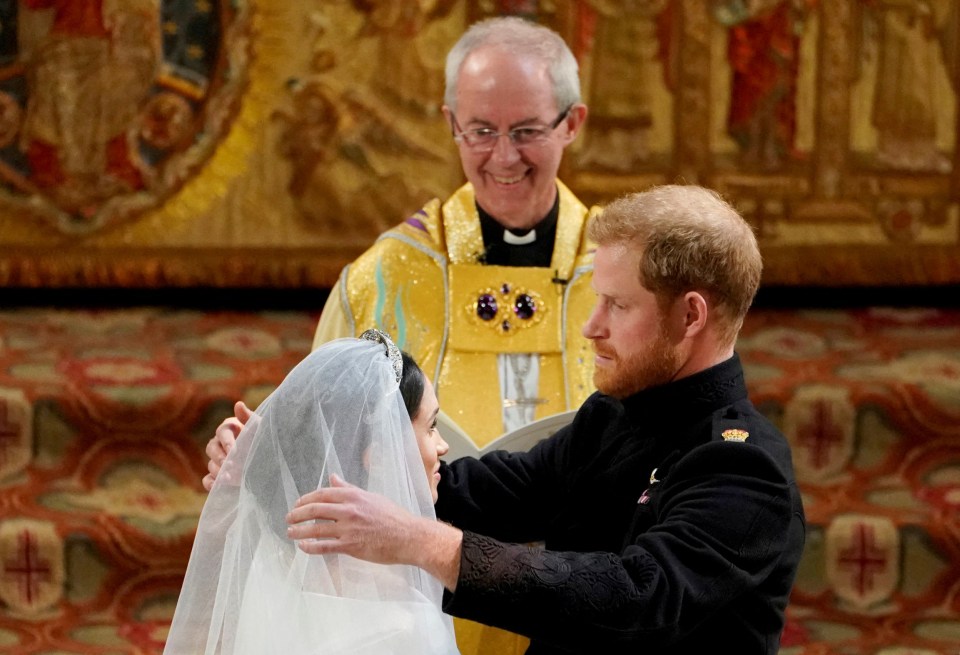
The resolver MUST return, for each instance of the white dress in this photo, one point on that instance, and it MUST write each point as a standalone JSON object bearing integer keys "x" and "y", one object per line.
{"x": 277, "y": 617}
{"x": 249, "y": 590}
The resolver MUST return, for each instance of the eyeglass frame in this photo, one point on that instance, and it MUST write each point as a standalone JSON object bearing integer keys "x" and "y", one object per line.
{"x": 494, "y": 136}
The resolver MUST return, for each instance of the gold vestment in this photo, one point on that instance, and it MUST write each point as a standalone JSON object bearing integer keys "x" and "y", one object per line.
{"x": 422, "y": 283}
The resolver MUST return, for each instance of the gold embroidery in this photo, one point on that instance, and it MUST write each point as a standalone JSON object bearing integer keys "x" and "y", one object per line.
{"x": 734, "y": 435}
{"x": 506, "y": 310}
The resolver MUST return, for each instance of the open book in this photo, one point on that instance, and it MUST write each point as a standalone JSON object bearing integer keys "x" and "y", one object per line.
{"x": 522, "y": 438}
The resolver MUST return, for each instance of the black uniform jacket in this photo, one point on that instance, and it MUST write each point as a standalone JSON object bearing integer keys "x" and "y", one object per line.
{"x": 671, "y": 522}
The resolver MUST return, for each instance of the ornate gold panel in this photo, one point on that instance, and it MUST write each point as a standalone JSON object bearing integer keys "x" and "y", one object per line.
{"x": 255, "y": 143}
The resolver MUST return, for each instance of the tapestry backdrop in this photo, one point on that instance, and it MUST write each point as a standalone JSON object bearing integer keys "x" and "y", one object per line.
{"x": 237, "y": 142}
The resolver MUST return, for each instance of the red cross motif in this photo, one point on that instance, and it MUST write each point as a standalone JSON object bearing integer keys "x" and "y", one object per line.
{"x": 949, "y": 372}
{"x": 820, "y": 434}
{"x": 243, "y": 340}
{"x": 9, "y": 432}
{"x": 789, "y": 343}
{"x": 863, "y": 557}
{"x": 28, "y": 567}
{"x": 150, "y": 501}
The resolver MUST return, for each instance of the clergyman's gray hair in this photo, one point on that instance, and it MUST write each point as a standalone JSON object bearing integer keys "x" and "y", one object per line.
{"x": 520, "y": 37}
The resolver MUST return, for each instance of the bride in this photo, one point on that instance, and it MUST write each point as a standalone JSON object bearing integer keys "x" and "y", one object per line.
{"x": 357, "y": 409}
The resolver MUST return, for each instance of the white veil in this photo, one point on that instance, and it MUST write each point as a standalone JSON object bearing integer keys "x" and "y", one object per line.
{"x": 248, "y": 589}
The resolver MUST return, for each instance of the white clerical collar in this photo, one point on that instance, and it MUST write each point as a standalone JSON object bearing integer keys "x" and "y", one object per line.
{"x": 512, "y": 239}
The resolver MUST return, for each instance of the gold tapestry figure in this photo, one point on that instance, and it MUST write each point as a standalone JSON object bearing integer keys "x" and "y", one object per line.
{"x": 913, "y": 34}
{"x": 87, "y": 78}
{"x": 626, "y": 35}
{"x": 361, "y": 153}
{"x": 410, "y": 62}
{"x": 763, "y": 49}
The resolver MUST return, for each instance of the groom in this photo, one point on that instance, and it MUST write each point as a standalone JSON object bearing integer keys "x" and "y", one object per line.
{"x": 668, "y": 509}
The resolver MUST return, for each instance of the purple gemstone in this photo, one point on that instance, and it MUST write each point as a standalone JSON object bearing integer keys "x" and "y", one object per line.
{"x": 417, "y": 223}
{"x": 505, "y": 288}
{"x": 524, "y": 307}
{"x": 486, "y": 307}
{"x": 506, "y": 326}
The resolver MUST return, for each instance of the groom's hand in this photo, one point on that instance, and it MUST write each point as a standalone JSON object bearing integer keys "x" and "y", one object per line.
{"x": 345, "y": 519}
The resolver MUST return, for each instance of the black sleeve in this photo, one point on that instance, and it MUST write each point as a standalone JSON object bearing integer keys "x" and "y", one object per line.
{"x": 504, "y": 495}
{"x": 723, "y": 513}
{"x": 512, "y": 496}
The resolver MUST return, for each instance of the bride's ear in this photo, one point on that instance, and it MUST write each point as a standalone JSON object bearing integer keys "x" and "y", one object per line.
{"x": 371, "y": 457}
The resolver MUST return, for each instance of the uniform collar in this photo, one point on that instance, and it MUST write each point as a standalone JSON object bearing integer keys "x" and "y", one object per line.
{"x": 692, "y": 397}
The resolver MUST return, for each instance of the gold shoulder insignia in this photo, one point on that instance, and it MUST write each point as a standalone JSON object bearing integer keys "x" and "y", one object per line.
{"x": 734, "y": 435}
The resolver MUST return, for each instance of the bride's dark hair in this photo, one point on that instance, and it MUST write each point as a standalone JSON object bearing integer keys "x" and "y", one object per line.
{"x": 411, "y": 385}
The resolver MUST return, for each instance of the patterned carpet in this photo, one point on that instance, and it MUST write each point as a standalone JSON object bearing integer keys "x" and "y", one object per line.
{"x": 870, "y": 401}
{"x": 102, "y": 421}
{"x": 103, "y": 416}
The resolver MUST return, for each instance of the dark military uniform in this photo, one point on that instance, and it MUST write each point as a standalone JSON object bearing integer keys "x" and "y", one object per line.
{"x": 671, "y": 522}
